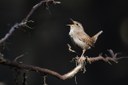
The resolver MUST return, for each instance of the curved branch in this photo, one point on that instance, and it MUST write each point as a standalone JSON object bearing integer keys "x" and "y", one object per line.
{"x": 79, "y": 60}
{"x": 41, "y": 70}
{"x": 25, "y": 20}
{"x": 38, "y": 5}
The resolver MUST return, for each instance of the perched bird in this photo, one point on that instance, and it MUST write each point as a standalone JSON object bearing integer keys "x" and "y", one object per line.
{"x": 80, "y": 37}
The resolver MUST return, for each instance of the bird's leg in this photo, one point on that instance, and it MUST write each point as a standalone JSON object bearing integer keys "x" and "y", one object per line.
{"x": 83, "y": 52}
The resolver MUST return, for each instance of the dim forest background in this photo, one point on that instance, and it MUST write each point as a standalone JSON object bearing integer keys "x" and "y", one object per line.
{"x": 45, "y": 43}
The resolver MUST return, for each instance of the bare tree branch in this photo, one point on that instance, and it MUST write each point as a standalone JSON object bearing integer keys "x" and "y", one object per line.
{"x": 38, "y": 5}
{"x": 80, "y": 61}
{"x": 80, "y": 66}
{"x": 106, "y": 58}
{"x": 25, "y": 20}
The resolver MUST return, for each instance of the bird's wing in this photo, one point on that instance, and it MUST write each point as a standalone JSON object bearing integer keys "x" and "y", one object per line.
{"x": 85, "y": 38}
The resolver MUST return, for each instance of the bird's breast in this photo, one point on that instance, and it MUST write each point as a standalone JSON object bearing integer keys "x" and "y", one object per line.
{"x": 74, "y": 35}
{"x": 71, "y": 33}
{"x": 79, "y": 42}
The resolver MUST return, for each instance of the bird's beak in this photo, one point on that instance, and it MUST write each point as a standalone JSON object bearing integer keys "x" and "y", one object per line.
{"x": 72, "y": 21}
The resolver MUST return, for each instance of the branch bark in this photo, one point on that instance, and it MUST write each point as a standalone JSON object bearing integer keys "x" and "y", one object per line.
{"x": 25, "y": 20}
{"x": 80, "y": 60}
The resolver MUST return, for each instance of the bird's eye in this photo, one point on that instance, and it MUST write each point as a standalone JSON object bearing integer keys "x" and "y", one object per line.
{"x": 77, "y": 24}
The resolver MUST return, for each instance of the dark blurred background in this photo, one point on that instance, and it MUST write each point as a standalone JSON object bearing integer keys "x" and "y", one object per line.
{"x": 45, "y": 43}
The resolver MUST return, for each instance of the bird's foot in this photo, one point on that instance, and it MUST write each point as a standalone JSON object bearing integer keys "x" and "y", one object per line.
{"x": 81, "y": 59}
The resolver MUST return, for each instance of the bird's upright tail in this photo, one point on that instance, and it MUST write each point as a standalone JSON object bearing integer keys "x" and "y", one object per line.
{"x": 95, "y": 37}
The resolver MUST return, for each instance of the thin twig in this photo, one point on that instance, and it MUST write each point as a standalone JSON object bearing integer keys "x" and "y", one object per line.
{"x": 106, "y": 58}
{"x": 75, "y": 80}
{"x": 80, "y": 60}
{"x": 44, "y": 80}
{"x": 70, "y": 49}
{"x": 38, "y": 5}
{"x": 18, "y": 57}
{"x": 24, "y": 81}
{"x": 25, "y": 20}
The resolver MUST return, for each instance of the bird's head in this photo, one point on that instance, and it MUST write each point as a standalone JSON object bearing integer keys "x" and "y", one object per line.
{"x": 75, "y": 25}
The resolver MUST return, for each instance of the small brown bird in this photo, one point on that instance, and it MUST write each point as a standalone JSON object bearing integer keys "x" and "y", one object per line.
{"x": 81, "y": 38}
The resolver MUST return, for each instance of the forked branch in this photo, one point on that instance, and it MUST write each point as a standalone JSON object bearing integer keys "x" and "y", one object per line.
{"x": 79, "y": 60}
{"x": 113, "y": 58}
